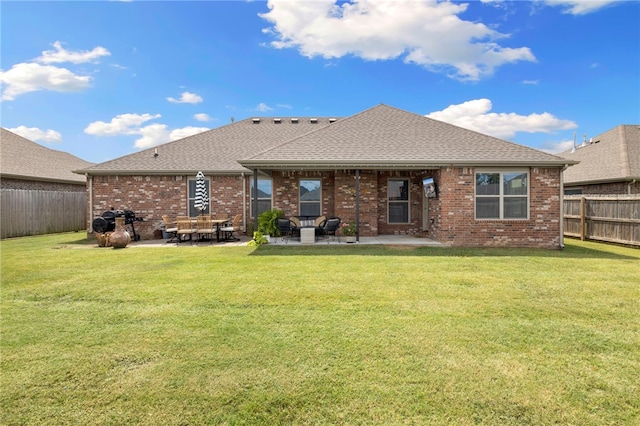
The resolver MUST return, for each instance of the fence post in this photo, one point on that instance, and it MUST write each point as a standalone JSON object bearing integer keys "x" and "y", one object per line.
{"x": 583, "y": 221}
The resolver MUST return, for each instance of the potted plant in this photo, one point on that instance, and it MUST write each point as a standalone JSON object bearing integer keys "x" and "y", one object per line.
{"x": 268, "y": 222}
{"x": 258, "y": 240}
{"x": 349, "y": 231}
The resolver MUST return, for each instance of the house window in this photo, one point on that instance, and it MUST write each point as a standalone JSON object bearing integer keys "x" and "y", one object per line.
{"x": 398, "y": 200}
{"x": 193, "y": 212}
{"x": 264, "y": 194}
{"x": 502, "y": 195}
{"x": 310, "y": 197}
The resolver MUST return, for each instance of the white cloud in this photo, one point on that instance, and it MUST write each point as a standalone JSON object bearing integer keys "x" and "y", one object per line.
{"x": 60, "y": 54}
{"x": 202, "y": 117}
{"x": 35, "y": 134}
{"x": 556, "y": 147}
{"x": 157, "y": 134}
{"x": 186, "y": 98}
{"x": 428, "y": 33}
{"x": 183, "y": 132}
{"x": 123, "y": 124}
{"x": 150, "y": 135}
{"x": 30, "y": 77}
{"x": 475, "y": 115}
{"x": 580, "y": 7}
{"x": 262, "y": 107}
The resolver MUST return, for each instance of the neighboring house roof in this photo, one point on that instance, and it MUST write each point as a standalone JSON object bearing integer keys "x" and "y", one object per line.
{"x": 25, "y": 159}
{"x": 380, "y": 137}
{"x": 610, "y": 157}
{"x": 387, "y": 137}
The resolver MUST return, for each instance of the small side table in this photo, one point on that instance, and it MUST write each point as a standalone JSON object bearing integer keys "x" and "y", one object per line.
{"x": 307, "y": 235}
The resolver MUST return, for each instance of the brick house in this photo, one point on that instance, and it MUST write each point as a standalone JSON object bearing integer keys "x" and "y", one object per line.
{"x": 609, "y": 164}
{"x": 391, "y": 171}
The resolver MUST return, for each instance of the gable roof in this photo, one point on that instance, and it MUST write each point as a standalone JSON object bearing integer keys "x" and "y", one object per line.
{"x": 25, "y": 159}
{"x": 214, "y": 151}
{"x": 380, "y": 137}
{"x": 387, "y": 137}
{"x": 610, "y": 157}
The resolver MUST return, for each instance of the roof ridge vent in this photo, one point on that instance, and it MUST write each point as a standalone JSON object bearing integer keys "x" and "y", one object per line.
{"x": 277, "y": 120}
{"x": 313, "y": 120}
{"x": 294, "y": 120}
{"x": 332, "y": 120}
{"x": 256, "y": 120}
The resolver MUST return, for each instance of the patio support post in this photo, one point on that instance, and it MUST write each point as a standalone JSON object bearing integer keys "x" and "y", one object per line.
{"x": 357, "y": 205}
{"x": 254, "y": 205}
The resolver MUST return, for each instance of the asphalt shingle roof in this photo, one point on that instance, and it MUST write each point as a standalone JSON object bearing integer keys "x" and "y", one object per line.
{"x": 379, "y": 137}
{"x": 385, "y": 136}
{"x": 25, "y": 159}
{"x": 215, "y": 151}
{"x": 611, "y": 156}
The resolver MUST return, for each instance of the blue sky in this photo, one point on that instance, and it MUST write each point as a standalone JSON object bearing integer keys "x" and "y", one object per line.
{"x": 104, "y": 79}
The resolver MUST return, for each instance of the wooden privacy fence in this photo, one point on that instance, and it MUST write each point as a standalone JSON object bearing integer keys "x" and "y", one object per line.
{"x": 611, "y": 219}
{"x": 36, "y": 212}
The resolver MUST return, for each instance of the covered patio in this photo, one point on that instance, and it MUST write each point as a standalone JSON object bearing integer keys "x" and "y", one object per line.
{"x": 407, "y": 240}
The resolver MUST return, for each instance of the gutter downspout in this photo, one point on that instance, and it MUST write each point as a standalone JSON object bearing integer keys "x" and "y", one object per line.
{"x": 244, "y": 202}
{"x": 629, "y": 186}
{"x": 254, "y": 209}
{"x": 90, "y": 181}
{"x": 566, "y": 166}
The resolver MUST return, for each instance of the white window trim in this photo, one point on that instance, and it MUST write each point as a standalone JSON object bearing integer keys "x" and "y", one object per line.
{"x": 300, "y": 202}
{"x": 501, "y": 195}
{"x": 191, "y": 200}
{"x": 251, "y": 195}
{"x": 408, "y": 201}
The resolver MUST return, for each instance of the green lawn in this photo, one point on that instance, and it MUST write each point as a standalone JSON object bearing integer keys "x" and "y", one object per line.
{"x": 318, "y": 335}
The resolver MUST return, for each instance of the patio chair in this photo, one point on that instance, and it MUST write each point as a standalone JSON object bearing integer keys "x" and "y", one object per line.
{"x": 170, "y": 228}
{"x": 235, "y": 226}
{"x": 319, "y": 224}
{"x": 330, "y": 228}
{"x": 185, "y": 227}
{"x": 295, "y": 224}
{"x": 204, "y": 226}
{"x": 285, "y": 228}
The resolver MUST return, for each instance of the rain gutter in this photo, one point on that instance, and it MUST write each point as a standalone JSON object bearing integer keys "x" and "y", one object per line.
{"x": 395, "y": 165}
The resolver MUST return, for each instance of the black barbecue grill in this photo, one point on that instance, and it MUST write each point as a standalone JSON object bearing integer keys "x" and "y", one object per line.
{"x": 107, "y": 223}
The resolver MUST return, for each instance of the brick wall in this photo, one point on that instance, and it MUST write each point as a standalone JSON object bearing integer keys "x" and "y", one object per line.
{"x": 286, "y": 191}
{"x": 459, "y": 227}
{"x": 451, "y": 215}
{"x": 414, "y": 227}
{"x": 150, "y": 197}
{"x": 345, "y": 192}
